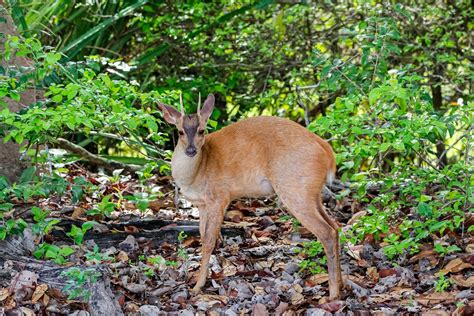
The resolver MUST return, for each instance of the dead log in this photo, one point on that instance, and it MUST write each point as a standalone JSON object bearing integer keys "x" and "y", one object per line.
{"x": 15, "y": 257}
{"x": 154, "y": 231}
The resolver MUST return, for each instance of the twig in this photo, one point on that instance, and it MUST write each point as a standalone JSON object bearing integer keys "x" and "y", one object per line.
{"x": 303, "y": 106}
{"x": 94, "y": 159}
{"x": 468, "y": 132}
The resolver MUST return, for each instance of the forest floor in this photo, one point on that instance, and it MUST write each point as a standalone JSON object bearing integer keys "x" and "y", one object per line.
{"x": 149, "y": 259}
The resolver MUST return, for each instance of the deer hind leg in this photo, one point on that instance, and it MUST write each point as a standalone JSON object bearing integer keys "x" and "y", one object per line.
{"x": 210, "y": 222}
{"x": 309, "y": 211}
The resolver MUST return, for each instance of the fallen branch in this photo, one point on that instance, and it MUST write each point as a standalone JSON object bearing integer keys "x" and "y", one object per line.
{"x": 94, "y": 159}
{"x": 15, "y": 258}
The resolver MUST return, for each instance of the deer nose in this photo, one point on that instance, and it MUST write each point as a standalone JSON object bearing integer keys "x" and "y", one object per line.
{"x": 191, "y": 151}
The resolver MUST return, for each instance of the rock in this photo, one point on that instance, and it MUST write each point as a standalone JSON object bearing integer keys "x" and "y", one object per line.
{"x": 135, "y": 288}
{"x": 292, "y": 268}
{"x": 180, "y": 297}
{"x": 317, "y": 312}
{"x": 186, "y": 312}
{"x": 149, "y": 310}
{"x": 287, "y": 277}
{"x": 100, "y": 228}
{"x": 265, "y": 221}
{"x": 129, "y": 245}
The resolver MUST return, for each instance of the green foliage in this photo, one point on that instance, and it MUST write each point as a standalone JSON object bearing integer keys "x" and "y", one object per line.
{"x": 315, "y": 260}
{"x": 105, "y": 207}
{"x": 78, "y": 233}
{"x": 42, "y": 225}
{"x": 57, "y": 254}
{"x": 442, "y": 284}
{"x": 79, "y": 282}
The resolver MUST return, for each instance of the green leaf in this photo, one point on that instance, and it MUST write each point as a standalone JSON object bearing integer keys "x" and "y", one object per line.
{"x": 27, "y": 175}
{"x": 425, "y": 210}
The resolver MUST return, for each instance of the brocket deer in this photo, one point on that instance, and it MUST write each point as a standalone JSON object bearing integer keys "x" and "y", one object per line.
{"x": 256, "y": 157}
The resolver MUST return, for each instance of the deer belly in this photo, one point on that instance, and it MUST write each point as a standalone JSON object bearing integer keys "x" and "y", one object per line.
{"x": 256, "y": 188}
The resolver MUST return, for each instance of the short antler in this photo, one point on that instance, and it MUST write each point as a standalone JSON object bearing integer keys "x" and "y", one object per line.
{"x": 181, "y": 103}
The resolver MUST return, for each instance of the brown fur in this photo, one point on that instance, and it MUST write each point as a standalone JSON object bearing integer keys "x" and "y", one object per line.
{"x": 257, "y": 157}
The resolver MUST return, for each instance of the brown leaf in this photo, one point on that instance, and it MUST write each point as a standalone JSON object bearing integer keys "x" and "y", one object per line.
{"x": 259, "y": 310}
{"x": 131, "y": 229}
{"x": 456, "y": 265}
{"x": 356, "y": 217}
{"x": 4, "y": 293}
{"x": 122, "y": 256}
{"x": 333, "y": 306}
{"x": 281, "y": 308}
{"x": 437, "y": 298}
{"x": 39, "y": 292}
{"x": 45, "y": 300}
{"x": 78, "y": 212}
{"x": 317, "y": 279}
{"x": 459, "y": 280}
{"x": 235, "y": 216}
{"x": 422, "y": 254}
{"x": 435, "y": 312}
{"x": 373, "y": 274}
{"x": 387, "y": 272}
{"x": 297, "y": 298}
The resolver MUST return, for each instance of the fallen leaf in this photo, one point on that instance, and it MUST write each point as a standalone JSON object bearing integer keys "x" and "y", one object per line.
{"x": 317, "y": 279}
{"x": 122, "y": 256}
{"x": 455, "y": 266}
{"x": 4, "y": 293}
{"x": 437, "y": 298}
{"x": 422, "y": 254}
{"x": 259, "y": 310}
{"x": 435, "y": 312}
{"x": 459, "y": 280}
{"x": 297, "y": 298}
{"x": 45, "y": 300}
{"x": 27, "y": 312}
{"x": 78, "y": 212}
{"x": 333, "y": 306}
{"x": 373, "y": 274}
{"x": 39, "y": 292}
{"x": 383, "y": 273}
{"x": 356, "y": 217}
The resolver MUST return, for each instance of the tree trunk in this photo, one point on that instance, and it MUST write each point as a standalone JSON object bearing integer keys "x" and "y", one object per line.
{"x": 10, "y": 164}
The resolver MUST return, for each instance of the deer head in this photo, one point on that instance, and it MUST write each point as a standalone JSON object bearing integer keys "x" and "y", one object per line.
{"x": 191, "y": 127}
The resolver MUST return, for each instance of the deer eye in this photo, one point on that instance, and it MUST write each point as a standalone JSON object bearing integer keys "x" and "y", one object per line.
{"x": 181, "y": 133}
{"x": 201, "y": 132}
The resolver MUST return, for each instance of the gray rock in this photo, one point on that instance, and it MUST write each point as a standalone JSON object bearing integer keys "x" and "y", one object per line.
{"x": 292, "y": 268}
{"x": 129, "y": 245}
{"x": 149, "y": 310}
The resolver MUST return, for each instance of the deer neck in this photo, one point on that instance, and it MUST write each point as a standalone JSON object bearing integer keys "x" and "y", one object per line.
{"x": 184, "y": 168}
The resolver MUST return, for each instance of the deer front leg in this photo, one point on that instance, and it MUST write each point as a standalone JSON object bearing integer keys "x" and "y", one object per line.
{"x": 210, "y": 222}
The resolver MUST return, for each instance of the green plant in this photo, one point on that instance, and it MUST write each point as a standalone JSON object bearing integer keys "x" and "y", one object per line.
{"x": 77, "y": 234}
{"x": 57, "y": 254}
{"x": 314, "y": 257}
{"x": 105, "y": 207}
{"x": 141, "y": 199}
{"x": 43, "y": 225}
{"x": 443, "y": 251}
{"x": 79, "y": 281}
{"x": 295, "y": 224}
{"x": 442, "y": 284}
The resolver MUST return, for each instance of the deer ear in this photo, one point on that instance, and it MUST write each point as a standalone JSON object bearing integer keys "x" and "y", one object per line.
{"x": 170, "y": 114}
{"x": 207, "y": 108}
